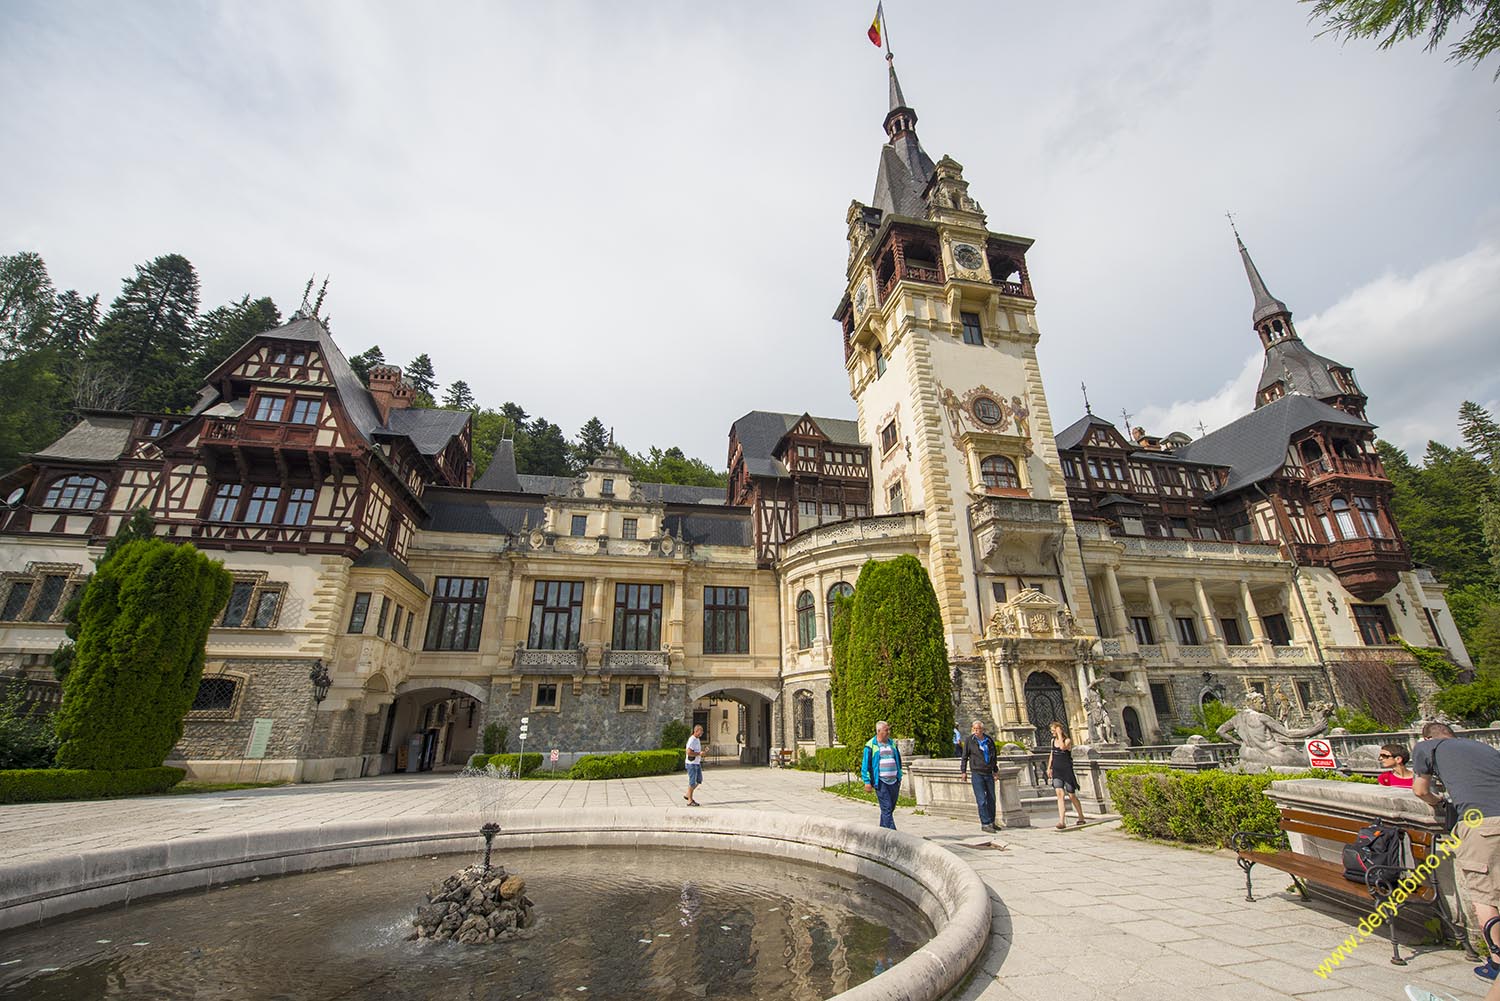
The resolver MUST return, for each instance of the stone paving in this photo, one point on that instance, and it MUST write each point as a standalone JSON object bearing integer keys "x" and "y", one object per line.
{"x": 1079, "y": 915}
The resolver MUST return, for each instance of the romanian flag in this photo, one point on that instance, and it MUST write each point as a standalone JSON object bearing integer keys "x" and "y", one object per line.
{"x": 874, "y": 31}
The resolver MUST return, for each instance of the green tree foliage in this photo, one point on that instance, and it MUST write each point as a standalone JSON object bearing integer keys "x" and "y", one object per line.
{"x": 141, "y": 633}
{"x": 1437, "y": 506}
{"x": 592, "y": 441}
{"x": 672, "y": 466}
{"x": 422, "y": 380}
{"x": 146, "y": 340}
{"x": 34, "y": 413}
{"x": 27, "y": 736}
{"x": 140, "y": 525}
{"x": 674, "y": 734}
{"x": 543, "y": 450}
{"x": 1207, "y": 719}
{"x": 223, "y": 330}
{"x": 1476, "y": 703}
{"x": 894, "y": 664}
{"x": 74, "y": 324}
{"x": 1393, "y": 21}
{"x": 459, "y": 396}
{"x": 26, "y": 302}
{"x": 366, "y": 360}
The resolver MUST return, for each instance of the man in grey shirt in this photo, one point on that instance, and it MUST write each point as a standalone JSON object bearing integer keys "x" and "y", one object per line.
{"x": 1470, "y": 772}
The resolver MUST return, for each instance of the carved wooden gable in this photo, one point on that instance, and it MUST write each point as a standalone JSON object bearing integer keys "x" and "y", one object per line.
{"x": 284, "y": 362}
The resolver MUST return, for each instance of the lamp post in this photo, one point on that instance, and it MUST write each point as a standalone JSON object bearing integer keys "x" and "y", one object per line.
{"x": 320, "y": 681}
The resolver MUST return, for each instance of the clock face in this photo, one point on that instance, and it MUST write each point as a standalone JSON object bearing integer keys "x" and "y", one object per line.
{"x": 860, "y": 297}
{"x": 967, "y": 256}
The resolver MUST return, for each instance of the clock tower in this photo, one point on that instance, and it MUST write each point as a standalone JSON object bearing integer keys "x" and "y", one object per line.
{"x": 939, "y": 331}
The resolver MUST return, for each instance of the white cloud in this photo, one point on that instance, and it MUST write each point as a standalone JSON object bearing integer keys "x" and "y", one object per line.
{"x": 1420, "y": 344}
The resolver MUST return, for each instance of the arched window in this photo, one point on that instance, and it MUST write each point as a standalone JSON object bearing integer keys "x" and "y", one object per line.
{"x": 1344, "y": 517}
{"x": 76, "y": 493}
{"x": 841, "y": 588}
{"x": 802, "y": 706}
{"x": 998, "y": 471}
{"x": 807, "y": 620}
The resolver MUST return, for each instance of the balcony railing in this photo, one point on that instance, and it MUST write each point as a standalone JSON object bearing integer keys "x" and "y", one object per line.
{"x": 636, "y": 661}
{"x": 1342, "y": 465}
{"x": 251, "y": 432}
{"x": 1244, "y": 655}
{"x": 1203, "y": 548}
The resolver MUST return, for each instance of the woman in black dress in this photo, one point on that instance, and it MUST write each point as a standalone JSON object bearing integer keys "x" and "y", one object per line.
{"x": 1060, "y": 771}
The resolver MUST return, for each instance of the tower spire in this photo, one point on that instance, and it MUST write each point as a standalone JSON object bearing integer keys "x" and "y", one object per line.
{"x": 1266, "y": 304}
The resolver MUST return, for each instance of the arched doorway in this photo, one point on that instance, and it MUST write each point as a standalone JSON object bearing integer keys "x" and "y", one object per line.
{"x": 1044, "y": 705}
{"x": 433, "y": 725}
{"x": 1133, "y": 735}
{"x": 736, "y": 724}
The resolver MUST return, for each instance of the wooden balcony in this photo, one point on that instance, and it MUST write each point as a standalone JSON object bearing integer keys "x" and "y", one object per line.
{"x": 911, "y": 272}
{"x": 1367, "y": 567}
{"x": 1364, "y": 467}
{"x": 243, "y": 431}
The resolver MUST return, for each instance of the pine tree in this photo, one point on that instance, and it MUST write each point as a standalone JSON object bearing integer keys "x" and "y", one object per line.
{"x": 591, "y": 443}
{"x": 420, "y": 376}
{"x": 1481, "y": 433}
{"x": 75, "y": 323}
{"x": 459, "y": 396}
{"x": 26, "y": 302}
{"x": 222, "y": 331}
{"x": 141, "y": 634}
{"x": 366, "y": 360}
{"x": 146, "y": 339}
{"x": 894, "y": 663}
{"x": 543, "y": 451}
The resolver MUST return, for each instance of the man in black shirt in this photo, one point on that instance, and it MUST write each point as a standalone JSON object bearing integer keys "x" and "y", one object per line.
{"x": 977, "y": 760}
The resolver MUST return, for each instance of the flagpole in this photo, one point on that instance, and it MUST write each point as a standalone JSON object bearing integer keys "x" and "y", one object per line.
{"x": 885, "y": 31}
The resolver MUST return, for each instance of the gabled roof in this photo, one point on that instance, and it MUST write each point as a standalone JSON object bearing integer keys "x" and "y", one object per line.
{"x": 1255, "y": 446}
{"x": 1072, "y": 436}
{"x": 760, "y": 432}
{"x": 96, "y": 437}
{"x": 429, "y": 430}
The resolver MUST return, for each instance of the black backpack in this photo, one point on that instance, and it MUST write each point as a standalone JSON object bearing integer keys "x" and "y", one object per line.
{"x": 1375, "y": 847}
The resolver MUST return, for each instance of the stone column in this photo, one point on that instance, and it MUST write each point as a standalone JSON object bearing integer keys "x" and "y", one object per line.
{"x": 1257, "y": 630}
{"x": 1163, "y": 625}
{"x": 1116, "y": 601}
{"x": 1211, "y": 629}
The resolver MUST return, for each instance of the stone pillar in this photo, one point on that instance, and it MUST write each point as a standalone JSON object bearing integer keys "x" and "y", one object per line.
{"x": 1003, "y": 709}
{"x": 1211, "y": 629}
{"x": 1257, "y": 630}
{"x": 1163, "y": 625}
{"x": 1116, "y": 601}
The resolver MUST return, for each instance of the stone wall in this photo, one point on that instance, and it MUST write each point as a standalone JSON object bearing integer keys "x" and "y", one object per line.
{"x": 591, "y": 721}
{"x": 973, "y": 698}
{"x": 1185, "y": 688}
{"x": 277, "y": 689}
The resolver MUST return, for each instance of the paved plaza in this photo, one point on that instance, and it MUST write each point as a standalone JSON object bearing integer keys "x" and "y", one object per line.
{"x": 1078, "y": 915}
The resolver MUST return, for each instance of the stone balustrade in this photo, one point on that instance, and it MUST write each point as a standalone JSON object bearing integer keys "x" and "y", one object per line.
{"x": 856, "y": 530}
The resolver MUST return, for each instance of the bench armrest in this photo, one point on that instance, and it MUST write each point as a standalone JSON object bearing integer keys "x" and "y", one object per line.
{"x": 1241, "y": 841}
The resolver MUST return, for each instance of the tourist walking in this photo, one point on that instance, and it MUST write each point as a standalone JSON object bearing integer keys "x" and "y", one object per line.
{"x": 977, "y": 761}
{"x": 1470, "y": 774}
{"x": 1395, "y": 757}
{"x": 693, "y": 758}
{"x": 1060, "y": 772}
{"x": 880, "y": 768}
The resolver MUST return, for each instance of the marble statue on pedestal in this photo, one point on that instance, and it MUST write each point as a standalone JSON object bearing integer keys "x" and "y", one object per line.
{"x": 1264, "y": 741}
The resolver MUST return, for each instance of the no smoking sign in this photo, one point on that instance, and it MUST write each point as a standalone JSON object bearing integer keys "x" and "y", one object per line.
{"x": 1319, "y": 753}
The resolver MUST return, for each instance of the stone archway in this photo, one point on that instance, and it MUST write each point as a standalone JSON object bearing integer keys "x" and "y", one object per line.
{"x": 1133, "y": 733}
{"x": 736, "y": 720}
{"x": 1045, "y": 705}
{"x": 434, "y": 724}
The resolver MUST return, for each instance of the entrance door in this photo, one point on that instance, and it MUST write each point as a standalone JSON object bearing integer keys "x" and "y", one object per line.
{"x": 1133, "y": 735}
{"x": 1044, "y": 706}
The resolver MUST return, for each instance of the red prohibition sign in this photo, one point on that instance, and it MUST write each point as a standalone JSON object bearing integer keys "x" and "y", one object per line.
{"x": 1319, "y": 748}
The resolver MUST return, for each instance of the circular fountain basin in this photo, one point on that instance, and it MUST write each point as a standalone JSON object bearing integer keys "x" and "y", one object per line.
{"x": 916, "y": 885}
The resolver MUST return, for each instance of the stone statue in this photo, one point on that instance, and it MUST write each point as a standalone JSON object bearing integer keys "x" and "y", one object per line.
{"x": 1066, "y": 623}
{"x": 1101, "y": 728}
{"x": 1283, "y": 705}
{"x": 1264, "y": 741}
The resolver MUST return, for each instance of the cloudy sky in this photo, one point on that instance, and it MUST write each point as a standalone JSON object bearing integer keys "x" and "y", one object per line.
{"x": 637, "y": 210}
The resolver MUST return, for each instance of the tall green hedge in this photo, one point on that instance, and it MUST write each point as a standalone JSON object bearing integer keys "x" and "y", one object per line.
{"x": 627, "y": 764}
{"x": 1200, "y": 808}
{"x": 894, "y": 663}
{"x": 831, "y": 759}
{"x": 141, "y": 631}
{"x": 40, "y": 785}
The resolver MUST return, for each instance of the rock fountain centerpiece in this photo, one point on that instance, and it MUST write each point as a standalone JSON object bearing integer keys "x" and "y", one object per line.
{"x": 481, "y": 902}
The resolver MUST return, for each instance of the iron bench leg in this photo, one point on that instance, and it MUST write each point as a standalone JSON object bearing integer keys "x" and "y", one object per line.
{"x": 1247, "y": 865}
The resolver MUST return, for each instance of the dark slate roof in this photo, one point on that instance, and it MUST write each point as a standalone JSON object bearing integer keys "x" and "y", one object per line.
{"x": 905, "y": 168}
{"x": 480, "y": 513}
{"x": 545, "y": 485}
{"x": 1266, "y": 304}
{"x": 95, "y": 438}
{"x": 1072, "y": 436}
{"x": 429, "y": 430}
{"x": 500, "y": 474}
{"x": 1255, "y": 446}
{"x": 1304, "y": 371}
{"x": 380, "y": 558}
{"x": 759, "y": 431}
{"x": 728, "y": 526}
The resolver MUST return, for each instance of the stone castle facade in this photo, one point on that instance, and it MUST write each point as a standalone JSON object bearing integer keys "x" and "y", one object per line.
{"x": 1153, "y": 572}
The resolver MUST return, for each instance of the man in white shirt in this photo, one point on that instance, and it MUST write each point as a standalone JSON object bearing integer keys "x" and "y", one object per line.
{"x": 694, "y": 760}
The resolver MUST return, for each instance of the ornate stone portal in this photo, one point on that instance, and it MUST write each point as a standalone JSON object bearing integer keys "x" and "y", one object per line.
{"x": 1037, "y": 666}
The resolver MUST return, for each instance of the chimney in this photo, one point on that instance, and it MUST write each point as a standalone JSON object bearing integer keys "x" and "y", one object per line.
{"x": 389, "y": 392}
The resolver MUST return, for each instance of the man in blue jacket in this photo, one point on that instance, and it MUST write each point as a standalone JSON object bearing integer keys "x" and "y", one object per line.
{"x": 977, "y": 761}
{"x": 880, "y": 767}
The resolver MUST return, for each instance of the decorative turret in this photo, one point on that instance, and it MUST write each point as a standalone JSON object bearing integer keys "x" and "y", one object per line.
{"x": 905, "y": 168}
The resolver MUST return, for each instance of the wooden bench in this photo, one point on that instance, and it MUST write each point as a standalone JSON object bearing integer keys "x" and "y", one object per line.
{"x": 1328, "y": 875}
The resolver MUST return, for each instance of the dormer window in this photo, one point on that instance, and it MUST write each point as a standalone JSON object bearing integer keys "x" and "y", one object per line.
{"x": 76, "y": 493}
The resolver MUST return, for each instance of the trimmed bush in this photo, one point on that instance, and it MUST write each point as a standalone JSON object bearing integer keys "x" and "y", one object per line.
{"x": 674, "y": 734}
{"x": 38, "y": 785}
{"x": 1200, "y": 808}
{"x": 627, "y": 764}
{"x": 894, "y": 663}
{"x": 519, "y": 765}
{"x": 496, "y": 738}
{"x": 831, "y": 759}
{"x": 141, "y": 631}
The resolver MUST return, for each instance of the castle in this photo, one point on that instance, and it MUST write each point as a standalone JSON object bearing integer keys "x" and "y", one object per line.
{"x": 387, "y": 605}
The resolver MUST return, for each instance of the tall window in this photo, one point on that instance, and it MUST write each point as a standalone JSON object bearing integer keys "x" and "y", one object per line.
{"x": 637, "y": 617}
{"x": 807, "y": 620}
{"x": 457, "y": 612}
{"x": 1368, "y": 514}
{"x": 305, "y": 411}
{"x": 726, "y": 620}
{"x": 48, "y": 597}
{"x": 226, "y": 502}
{"x": 380, "y": 619}
{"x": 629, "y": 527}
{"x": 999, "y": 471}
{"x": 75, "y": 493}
{"x": 1343, "y": 516}
{"x": 1187, "y": 632}
{"x": 893, "y": 496}
{"x": 972, "y": 332}
{"x": 580, "y": 524}
{"x": 299, "y": 506}
{"x": 253, "y": 604}
{"x": 556, "y": 614}
{"x": 260, "y": 509}
{"x": 1276, "y": 629}
{"x": 270, "y": 408}
{"x": 804, "y": 714}
{"x": 1374, "y": 622}
{"x": 879, "y": 362}
{"x": 1231, "y": 629}
{"x": 1141, "y": 626}
{"x": 888, "y": 437}
{"x": 1160, "y": 699}
{"x": 359, "y": 612}
{"x": 842, "y": 588}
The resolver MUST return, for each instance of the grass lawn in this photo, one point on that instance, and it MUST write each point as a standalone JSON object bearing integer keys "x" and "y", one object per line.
{"x": 192, "y": 788}
{"x": 856, "y": 790}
